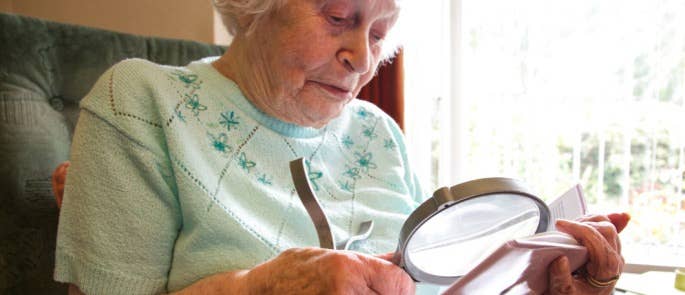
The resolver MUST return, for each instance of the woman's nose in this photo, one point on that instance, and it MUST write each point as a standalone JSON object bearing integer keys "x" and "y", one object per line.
{"x": 355, "y": 53}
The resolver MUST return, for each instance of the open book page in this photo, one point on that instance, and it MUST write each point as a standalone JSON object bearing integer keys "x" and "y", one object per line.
{"x": 569, "y": 205}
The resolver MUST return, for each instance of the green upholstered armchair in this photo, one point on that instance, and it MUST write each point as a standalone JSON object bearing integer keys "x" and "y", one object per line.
{"x": 45, "y": 69}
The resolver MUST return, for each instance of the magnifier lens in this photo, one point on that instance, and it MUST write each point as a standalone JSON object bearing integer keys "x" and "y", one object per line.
{"x": 455, "y": 240}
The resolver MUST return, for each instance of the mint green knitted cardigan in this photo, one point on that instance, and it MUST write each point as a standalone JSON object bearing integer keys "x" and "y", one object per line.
{"x": 176, "y": 176}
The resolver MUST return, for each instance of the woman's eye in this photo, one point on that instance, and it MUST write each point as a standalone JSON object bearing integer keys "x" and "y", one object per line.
{"x": 337, "y": 20}
{"x": 377, "y": 38}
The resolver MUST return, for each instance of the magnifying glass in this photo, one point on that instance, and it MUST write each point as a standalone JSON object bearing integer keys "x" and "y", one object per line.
{"x": 451, "y": 232}
{"x": 458, "y": 227}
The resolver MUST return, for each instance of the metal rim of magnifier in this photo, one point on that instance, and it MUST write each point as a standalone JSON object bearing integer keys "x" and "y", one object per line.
{"x": 444, "y": 198}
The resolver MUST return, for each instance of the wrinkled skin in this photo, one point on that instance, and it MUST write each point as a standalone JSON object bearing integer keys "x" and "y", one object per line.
{"x": 599, "y": 234}
{"x": 323, "y": 271}
{"x": 311, "y": 58}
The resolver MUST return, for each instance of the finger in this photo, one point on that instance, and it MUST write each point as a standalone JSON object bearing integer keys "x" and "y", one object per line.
{"x": 596, "y": 233}
{"x": 384, "y": 277}
{"x": 619, "y": 220}
{"x": 608, "y": 228}
{"x": 608, "y": 231}
{"x": 390, "y": 256}
{"x": 385, "y": 256}
{"x": 354, "y": 288}
{"x": 604, "y": 262}
{"x": 58, "y": 178}
{"x": 560, "y": 280}
{"x": 62, "y": 167}
{"x": 585, "y": 234}
{"x": 55, "y": 182}
{"x": 391, "y": 282}
{"x": 593, "y": 217}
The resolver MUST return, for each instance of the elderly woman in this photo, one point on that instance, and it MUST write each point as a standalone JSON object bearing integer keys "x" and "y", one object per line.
{"x": 179, "y": 179}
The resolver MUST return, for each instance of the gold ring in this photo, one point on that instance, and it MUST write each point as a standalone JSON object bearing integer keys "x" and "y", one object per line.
{"x": 600, "y": 284}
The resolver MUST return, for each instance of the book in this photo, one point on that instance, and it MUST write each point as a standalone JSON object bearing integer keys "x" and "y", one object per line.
{"x": 570, "y": 205}
{"x": 520, "y": 266}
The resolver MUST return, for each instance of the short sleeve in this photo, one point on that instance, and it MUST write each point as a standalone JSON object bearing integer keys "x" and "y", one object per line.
{"x": 120, "y": 215}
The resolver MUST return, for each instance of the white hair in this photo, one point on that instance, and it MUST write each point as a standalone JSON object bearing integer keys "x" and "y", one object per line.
{"x": 232, "y": 10}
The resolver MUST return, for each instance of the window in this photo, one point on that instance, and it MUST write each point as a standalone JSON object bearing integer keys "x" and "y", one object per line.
{"x": 557, "y": 93}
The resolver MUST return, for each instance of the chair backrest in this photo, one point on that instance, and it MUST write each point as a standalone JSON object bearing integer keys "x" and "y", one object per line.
{"x": 45, "y": 70}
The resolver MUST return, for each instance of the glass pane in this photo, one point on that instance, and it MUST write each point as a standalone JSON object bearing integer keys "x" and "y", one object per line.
{"x": 588, "y": 91}
{"x": 454, "y": 241}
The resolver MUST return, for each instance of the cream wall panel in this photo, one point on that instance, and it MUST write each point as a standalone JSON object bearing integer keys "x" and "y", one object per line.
{"x": 6, "y": 5}
{"x": 192, "y": 20}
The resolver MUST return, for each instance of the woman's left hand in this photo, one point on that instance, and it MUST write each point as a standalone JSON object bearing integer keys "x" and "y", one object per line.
{"x": 59, "y": 177}
{"x": 599, "y": 234}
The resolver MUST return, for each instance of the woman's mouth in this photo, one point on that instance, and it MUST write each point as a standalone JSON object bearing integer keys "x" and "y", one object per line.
{"x": 334, "y": 90}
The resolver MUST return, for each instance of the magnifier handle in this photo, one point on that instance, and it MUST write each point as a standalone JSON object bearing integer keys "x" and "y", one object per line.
{"x": 304, "y": 190}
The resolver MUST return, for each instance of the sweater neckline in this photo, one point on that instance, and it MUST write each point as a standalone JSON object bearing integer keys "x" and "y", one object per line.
{"x": 229, "y": 90}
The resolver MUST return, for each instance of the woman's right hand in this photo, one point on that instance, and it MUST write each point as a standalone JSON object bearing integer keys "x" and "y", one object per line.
{"x": 324, "y": 271}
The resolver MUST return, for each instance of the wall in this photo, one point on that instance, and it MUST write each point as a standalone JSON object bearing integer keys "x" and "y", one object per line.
{"x": 221, "y": 36}
{"x": 161, "y": 18}
{"x": 6, "y": 6}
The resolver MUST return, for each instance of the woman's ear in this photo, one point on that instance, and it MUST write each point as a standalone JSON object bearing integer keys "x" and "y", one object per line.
{"x": 244, "y": 23}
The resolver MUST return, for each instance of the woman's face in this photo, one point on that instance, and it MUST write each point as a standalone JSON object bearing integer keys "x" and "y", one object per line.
{"x": 311, "y": 57}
